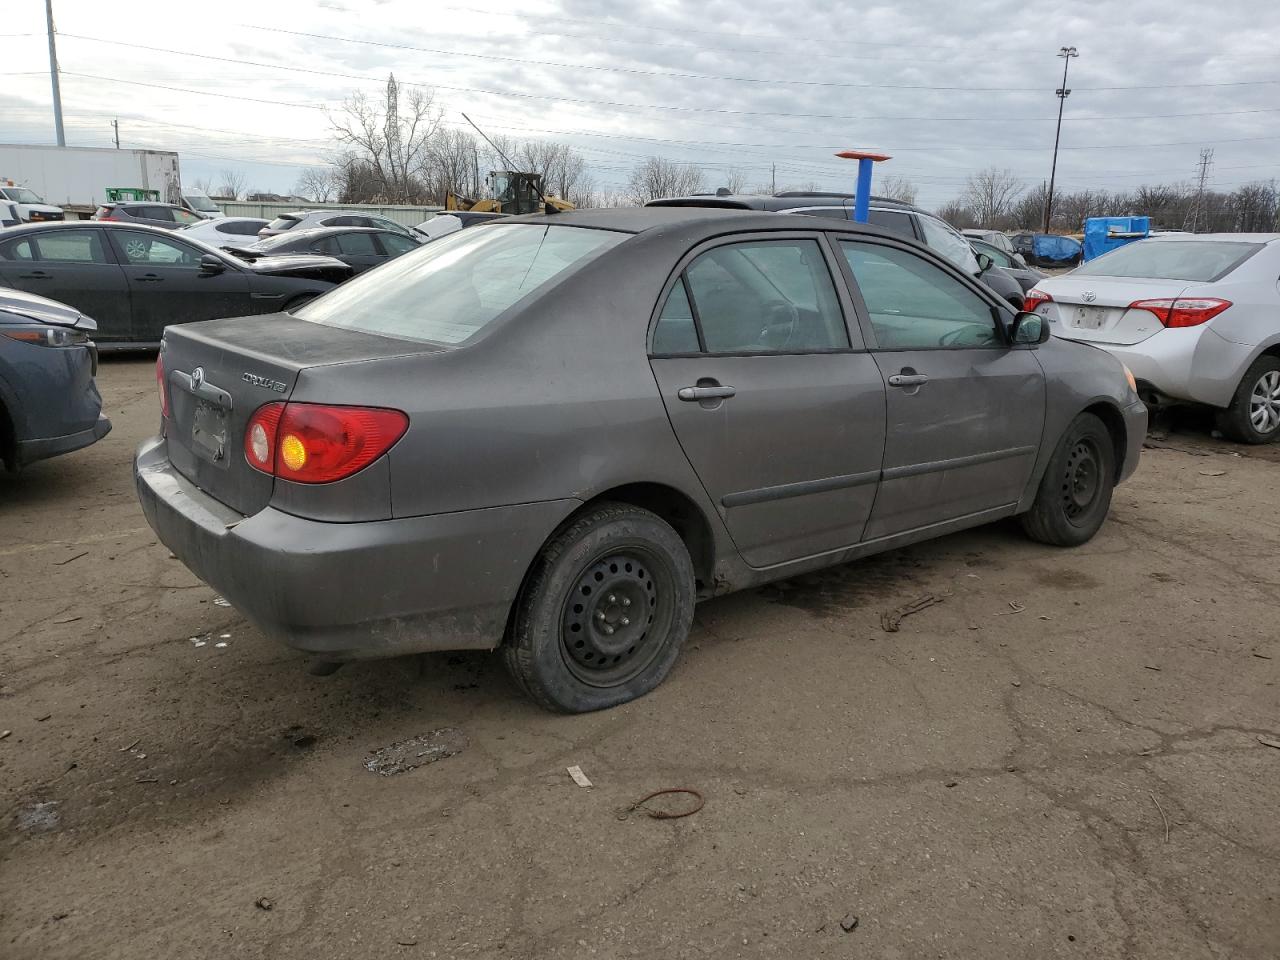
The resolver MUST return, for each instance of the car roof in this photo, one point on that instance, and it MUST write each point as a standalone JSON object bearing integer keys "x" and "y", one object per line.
{"x": 314, "y": 233}
{"x": 708, "y": 221}
{"x": 89, "y": 225}
{"x": 779, "y": 202}
{"x": 140, "y": 203}
{"x": 1216, "y": 237}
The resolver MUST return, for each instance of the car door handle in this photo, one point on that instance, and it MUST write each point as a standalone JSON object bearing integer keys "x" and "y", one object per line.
{"x": 148, "y": 278}
{"x": 705, "y": 393}
{"x": 907, "y": 379}
{"x": 35, "y": 275}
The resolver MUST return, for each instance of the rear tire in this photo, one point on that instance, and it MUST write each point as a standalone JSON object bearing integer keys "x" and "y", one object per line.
{"x": 1075, "y": 492}
{"x": 603, "y": 614}
{"x": 1254, "y": 414}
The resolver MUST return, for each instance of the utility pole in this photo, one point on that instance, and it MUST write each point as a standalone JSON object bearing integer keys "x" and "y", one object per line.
{"x": 773, "y": 178}
{"x": 1066, "y": 53}
{"x": 1206, "y": 161}
{"x": 116, "y": 126}
{"x": 53, "y": 73}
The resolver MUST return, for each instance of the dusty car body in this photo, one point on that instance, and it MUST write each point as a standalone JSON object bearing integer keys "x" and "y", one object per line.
{"x": 580, "y": 453}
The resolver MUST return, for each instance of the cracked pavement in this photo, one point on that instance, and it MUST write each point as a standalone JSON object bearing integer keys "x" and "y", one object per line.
{"x": 986, "y": 782}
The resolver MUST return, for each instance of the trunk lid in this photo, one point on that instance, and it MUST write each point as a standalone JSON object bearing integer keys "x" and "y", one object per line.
{"x": 1095, "y": 309}
{"x": 218, "y": 372}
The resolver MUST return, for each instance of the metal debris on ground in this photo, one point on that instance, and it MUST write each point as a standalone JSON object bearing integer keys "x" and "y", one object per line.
{"x": 66, "y": 620}
{"x": 1213, "y": 473}
{"x": 1162, "y": 816}
{"x": 416, "y": 751}
{"x": 262, "y": 903}
{"x": 63, "y": 563}
{"x": 579, "y": 777}
{"x": 4, "y": 733}
{"x": 1014, "y": 607}
{"x": 131, "y": 746}
{"x": 408, "y": 941}
{"x": 891, "y": 620}
{"x": 849, "y": 923}
{"x": 666, "y": 814}
{"x": 1269, "y": 742}
{"x": 221, "y": 602}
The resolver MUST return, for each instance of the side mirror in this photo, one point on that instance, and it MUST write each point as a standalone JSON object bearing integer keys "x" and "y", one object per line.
{"x": 1029, "y": 328}
{"x": 211, "y": 265}
{"x": 985, "y": 262}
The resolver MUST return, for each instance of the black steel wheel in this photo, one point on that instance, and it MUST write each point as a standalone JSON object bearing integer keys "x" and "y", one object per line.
{"x": 603, "y": 612}
{"x": 1075, "y": 492}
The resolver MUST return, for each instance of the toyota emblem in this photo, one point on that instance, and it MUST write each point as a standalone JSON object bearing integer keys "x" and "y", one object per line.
{"x": 197, "y": 378}
{"x": 1089, "y": 296}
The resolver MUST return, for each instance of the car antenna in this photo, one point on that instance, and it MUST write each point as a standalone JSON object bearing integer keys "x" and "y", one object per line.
{"x": 546, "y": 206}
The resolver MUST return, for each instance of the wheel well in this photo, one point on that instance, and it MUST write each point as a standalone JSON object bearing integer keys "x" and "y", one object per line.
{"x": 1114, "y": 423}
{"x": 678, "y": 510}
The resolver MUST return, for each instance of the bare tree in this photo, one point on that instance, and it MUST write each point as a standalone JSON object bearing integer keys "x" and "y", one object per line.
{"x": 561, "y": 167}
{"x": 231, "y": 184}
{"x": 990, "y": 194}
{"x": 958, "y": 214}
{"x": 317, "y": 183}
{"x": 660, "y": 177}
{"x": 205, "y": 185}
{"x": 388, "y": 141}
{"x": 898, "y": 188}
{"x": 734, "y": 180}
{"x": 454, "y": 158}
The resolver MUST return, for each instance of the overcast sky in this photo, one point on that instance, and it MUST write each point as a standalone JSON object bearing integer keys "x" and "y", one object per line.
{"x": 945, "y": 86}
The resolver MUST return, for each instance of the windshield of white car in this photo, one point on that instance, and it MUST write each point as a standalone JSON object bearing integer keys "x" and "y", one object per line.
{"x": 21, "y": 195}
{"x": 1195, "y": 260}
{"x": 447, "y": 290}
{"x": 199, "y": 201}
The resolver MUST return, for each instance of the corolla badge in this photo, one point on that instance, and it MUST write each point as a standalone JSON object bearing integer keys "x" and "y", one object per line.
{"x": 1088, "y": 296}
{"x": 267, "y": 382}
{"x": 197, "y": 378}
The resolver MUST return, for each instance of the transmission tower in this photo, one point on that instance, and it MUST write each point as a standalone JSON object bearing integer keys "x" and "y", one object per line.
{"x": 1197, "y": 209}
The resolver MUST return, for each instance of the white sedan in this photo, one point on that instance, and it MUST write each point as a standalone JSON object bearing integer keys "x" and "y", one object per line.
{"x": 237, "y": 233}
{"x": 1196, "y": 317}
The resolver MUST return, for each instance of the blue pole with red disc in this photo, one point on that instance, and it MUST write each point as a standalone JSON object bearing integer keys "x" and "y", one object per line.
{"x": 862, "y": 197}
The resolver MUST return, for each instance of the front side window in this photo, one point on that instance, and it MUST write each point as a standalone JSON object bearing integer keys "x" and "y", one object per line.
{"x": 72, "y": 246}
{"x": 767, "y": 296}
{"x": 386, "y": 224}
{"x": 20, "y": 195}
{"x": 186, "y": 216}
{"x": 914, "y": 305}
{"x": 940, "y": 237}
{"x": 998, "y": 256}
{"x": 447, "y": 290}
{"x": 154, "y": 213}
{"x": 143, "y": 249}
{"x": 397, "y": 244}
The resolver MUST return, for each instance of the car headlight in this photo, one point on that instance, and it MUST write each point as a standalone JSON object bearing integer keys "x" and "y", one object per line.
{"x": 47, "y": 336}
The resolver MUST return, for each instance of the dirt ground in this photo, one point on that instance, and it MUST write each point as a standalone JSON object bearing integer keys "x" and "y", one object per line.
{"x": 1061, "y": 759}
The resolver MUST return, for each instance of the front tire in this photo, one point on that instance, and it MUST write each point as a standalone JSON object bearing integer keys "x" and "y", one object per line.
{"x": 1075, "y": 492}
{"x": 603, "y": 614}
{"x": 1254, "y": 414}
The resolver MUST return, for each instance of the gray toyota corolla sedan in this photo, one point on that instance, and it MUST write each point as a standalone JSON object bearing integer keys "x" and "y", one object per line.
{"x": 555, "y": 434}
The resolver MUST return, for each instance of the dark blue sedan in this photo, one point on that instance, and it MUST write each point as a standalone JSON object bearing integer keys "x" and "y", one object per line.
{"x": 49, "y": 404}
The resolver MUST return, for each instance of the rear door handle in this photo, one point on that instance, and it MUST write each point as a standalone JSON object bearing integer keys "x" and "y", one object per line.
{"x": 35, "y": 275}
{"x": 148, "y": 278}
{"x": 705, "y": 393}
{"x": 907, "y": 379}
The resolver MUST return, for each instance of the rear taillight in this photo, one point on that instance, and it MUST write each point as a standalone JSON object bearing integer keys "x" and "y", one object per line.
{"x": 1182, "y": 311}
{"x": 314, "y": 443}
{"x": 1034, "y": 298}
{"x": 162, "y": 387}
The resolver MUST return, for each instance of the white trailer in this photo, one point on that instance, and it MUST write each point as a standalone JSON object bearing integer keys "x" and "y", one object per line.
{"x": 76, "y": 178}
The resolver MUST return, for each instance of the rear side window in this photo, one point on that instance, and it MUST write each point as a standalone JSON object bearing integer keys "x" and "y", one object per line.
{"x": 676, "y": 331}
{"x": 18, "y": 250}
{"x": 396, "y": 243}
{"x": 153, "y": 213}
{"x": 768, "y": 296}
{"x": 357, "y": 245}
{"x": 1195, "y": 260}
{"x": 449, "y": 289}
{"x": 243, "y": 228}
{"x": 73, "y": 246}
{"x": 891, "y": 220}
{"x": 282, "y": 223}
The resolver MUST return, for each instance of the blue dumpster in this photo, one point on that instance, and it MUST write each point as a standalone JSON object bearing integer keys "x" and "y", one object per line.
{"x": 1103, "y": 234}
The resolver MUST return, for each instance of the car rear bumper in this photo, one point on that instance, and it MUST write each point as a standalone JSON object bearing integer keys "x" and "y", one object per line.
{"x": 346, "y": 591}
{"x": 1190, "y": 363}
{"x": 29, "y": 451}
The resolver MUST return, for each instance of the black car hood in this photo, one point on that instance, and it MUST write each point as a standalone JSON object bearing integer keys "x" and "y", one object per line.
{"x": 29, "y": 306}
{"x": 299, "y": 265}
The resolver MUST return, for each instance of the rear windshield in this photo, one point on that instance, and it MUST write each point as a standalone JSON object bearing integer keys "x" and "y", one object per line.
{"x": 1202, "y": 260}
{"x": 282, "y": 223}
{"x": 450, "y": 288}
